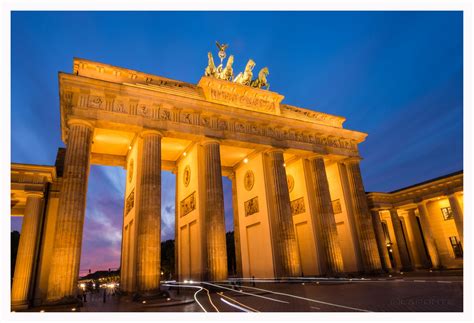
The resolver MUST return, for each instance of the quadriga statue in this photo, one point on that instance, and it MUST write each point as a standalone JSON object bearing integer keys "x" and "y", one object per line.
{"x": 245, "y": 77}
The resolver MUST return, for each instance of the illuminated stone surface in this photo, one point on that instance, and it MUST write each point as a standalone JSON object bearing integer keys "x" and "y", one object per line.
{"x": 27, "y": 249}
{"x": 146, "y": 123}
{"x": 381, "y": 241}
{"x": 323, "y": 214}
{"x": 365, "y": 230}
{"x": 149, "y": 214}
{"x": 401, "y": 242}
{"x": 68, "y": 234}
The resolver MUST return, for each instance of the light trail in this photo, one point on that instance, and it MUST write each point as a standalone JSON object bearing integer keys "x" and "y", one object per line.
{"x": 242, "y": 292}
{"x": 308, "y": 299}
{"x": 234, "y": 300}
{"x": 344, "y": 280}
{"x": 210, "y": 300}
{"x": 195, "y": 294}
{"x": 235, "y": 306}
{"x": 195, "y": 298}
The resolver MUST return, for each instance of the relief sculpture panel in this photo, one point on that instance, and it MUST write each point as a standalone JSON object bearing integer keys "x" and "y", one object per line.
{"x": 251, "y": 206}
{"x": 188, "y": 204}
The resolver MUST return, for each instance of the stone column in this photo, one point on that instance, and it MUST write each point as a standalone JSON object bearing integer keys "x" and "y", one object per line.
{"x": 285, "y": 249}
{"x": 458, "y": 215}
{"x": 149, "y": 213}
{"x": 417, "y": 238}
{"x": 381, "y": 241}
{"x": 399, "y": 238}
{"x": 176, "y": 227}
{"x": 27, "y": 250}
{"x": 215, "y": 240}
{"x": 235, "y": 208}
{"x": 323, "y": 215}
{"x": 62, "y": 284}
{"x": 365, "y": 230}
{"x": 428, "y": 235}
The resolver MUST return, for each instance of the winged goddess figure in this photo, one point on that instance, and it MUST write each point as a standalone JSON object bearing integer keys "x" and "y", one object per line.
{"x": 222, "y": 49}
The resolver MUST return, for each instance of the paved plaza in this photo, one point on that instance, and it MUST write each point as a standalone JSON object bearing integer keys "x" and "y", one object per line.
{"x": 413, "y": 292}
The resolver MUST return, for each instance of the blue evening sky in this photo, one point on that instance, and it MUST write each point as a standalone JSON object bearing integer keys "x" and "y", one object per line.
{"x": 396, "y": 75}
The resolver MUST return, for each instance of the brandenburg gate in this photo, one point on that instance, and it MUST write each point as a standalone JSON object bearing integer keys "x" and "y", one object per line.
{"x": 299, "y": 202}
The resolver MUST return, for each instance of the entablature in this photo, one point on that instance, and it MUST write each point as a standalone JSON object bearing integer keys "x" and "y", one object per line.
{"x": 417, "y": 193}
{"x": 105, "y": 102}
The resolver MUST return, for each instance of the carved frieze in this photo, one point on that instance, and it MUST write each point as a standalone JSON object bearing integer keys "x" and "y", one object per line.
{"x": 165, "y": 114}
{"x": 309, "y": 115}
{"x": 297, "y": 206}
{"x": 96, "y": 102}
{"x": 119, "y": 106}
{"x": 170, "y": 113}
{"x": 251, "y": 206}
{"x": 222, "y": 124}
{"x": 143, "y": 110}
{"x": 240, "y": 96}
{"x": 188, "y": 204}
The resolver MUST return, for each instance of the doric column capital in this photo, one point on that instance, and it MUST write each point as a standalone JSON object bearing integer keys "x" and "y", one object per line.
{"x": 34, "y": 194}
{"x": 315, "y": 156}
{"x": 352, "y": 160}
{"x": 209, "y": 140}
{"x": 150, "y": 132}
{"x": 451, "y": 194}
{"x": 393, "y": 210}
{"x": 275, "y": 150}
{"x": 420, "y": 202}
{"x": 76, "y": 121}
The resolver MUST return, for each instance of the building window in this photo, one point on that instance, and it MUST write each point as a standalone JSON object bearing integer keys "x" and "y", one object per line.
{"x": 447, "y": 213}
{"x": 457, "y": 248}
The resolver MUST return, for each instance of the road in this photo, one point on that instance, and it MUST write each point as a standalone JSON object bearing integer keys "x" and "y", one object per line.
{"x": 397, "y": 293}
{"x": 418, "y": 294}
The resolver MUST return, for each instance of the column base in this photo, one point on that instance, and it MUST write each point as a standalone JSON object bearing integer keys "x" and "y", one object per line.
{"x": 19, "y": 306}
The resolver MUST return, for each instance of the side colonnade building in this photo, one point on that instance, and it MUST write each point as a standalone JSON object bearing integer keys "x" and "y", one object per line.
{"x": 420, "y": 226}
{"x": 299, "y": 202}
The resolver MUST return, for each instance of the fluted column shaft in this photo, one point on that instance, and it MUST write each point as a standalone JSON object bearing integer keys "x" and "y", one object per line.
{"x": 176, "y": 227}
{"x": 401, "y": 243}
{"x": 214, "y": 212}
{"x": 287, "y": 262}
{"x": 22, "y": 279}
{"x": 323, "y": 215}
{"x": 428, "y": 235}
{"x": 381, "y": 242}
{"x": 71, "y": 211}
{"x": 238, "y": 254}
{"x": 457, "y": 215}
{"x": 149, "y": 213}
{"x": 417, "y": 239}
{"x": 365, "y": 230}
